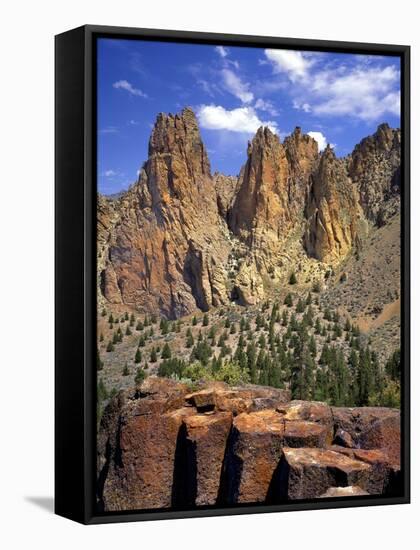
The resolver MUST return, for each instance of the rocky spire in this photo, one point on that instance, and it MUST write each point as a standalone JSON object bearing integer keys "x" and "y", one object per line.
{"x": 374, "y": 166}
{"x": 262, "y": 198}
{"x": 335, "y": 220}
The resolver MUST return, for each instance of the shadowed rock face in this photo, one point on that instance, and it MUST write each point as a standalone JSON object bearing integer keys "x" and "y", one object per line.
{"x": 181, "y": 239}
{"x": 160, "y": 446}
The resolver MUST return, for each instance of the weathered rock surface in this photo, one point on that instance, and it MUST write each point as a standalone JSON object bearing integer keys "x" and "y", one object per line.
{"x": 308, "y": 472}
{"x": 262, "y": 202}
{"x": 370, "y": 427}
{"x": 226, "y": 188}
{"x": 255, "y": 451}
{"x": 374, "y": 166}
{"x": 335, "y": 218}
{"x": 162, "y": 446}
{"x": 168, "y": 250}
{"x": 181, "y": 239}
{"x": 206, "y": 443}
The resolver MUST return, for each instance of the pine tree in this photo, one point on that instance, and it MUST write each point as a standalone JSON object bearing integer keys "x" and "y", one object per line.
{"x": 166, "y": 352}
{"x": 137, "y": 357}
{"x": 153, "y": 355}
{"x": 393, "y": 366}
{"x": 292, "y": 278}
{"x": 101, "y": 337}
{"x": 312, "y": 346}
{"x": 300, "y": 306}
{"x": 142, "y": 341}
{"x": 140, "y": 376}
{"x": 132, "y": 320}
{"x": 194, "y": 321}
{"x": 190, "y": 339}
{"x": 110, "y": 346}
{"x": 288, "y": 301}
{"x": 99, "y": 362}
{"x": 128, "y": 331}
{"x": 125, "y": 371}
{"x": 102, "y": 392}
{"x": 205, "y": 320}
{"x": 233, "y": 328}
{"x": 110, "y": 319}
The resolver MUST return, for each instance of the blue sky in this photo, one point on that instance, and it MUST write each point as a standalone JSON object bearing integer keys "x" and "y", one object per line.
{"x": 337, "y": 98}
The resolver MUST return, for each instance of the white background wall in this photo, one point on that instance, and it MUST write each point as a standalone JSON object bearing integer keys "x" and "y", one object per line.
{"x": 26, "y": 271}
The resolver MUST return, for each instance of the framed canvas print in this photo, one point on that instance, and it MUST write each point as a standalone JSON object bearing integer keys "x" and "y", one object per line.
{"x": 232, "y": 274}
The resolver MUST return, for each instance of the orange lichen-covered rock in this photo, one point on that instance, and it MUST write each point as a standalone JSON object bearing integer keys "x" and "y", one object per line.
{"x": 309, "y": 472}
{"x": 206, "y": 437}
{"x": 253, "y": 456}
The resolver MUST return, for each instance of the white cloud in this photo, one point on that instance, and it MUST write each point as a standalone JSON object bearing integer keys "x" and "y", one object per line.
{"x": 236, "y": 87}
{"x": 109, "y": 173}
{"x": 222, "y": 51}
{"x": 266, "y": 105}
{"x": 125, "y": 85}
{"x": 367, "y": 93}
{"x": 320, "y": 139}
{"x": 293, "y": 63}
{"x": 301, "y": 106}
{"x": 242, "y": 119}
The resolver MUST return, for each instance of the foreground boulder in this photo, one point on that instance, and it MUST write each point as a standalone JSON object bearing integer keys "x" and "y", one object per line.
{"x": 308, "y": 473}
{"x": 161, "y": 445}
{"x": 253, "y": 456}
{"x": 206, "y": 443}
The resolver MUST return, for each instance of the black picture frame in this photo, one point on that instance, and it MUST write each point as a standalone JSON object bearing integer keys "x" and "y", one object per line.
{"x": 75, "y": 269}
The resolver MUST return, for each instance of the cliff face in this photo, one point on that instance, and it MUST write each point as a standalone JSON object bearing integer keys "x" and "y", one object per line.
{"x": 374, "y": 167}
{"x": 167, "y": 252}
{"x": 181, "y": 239}
{"x": 261, "y": 203}
{"x": 161, "y": 446}
{"x": 335, "y": 219}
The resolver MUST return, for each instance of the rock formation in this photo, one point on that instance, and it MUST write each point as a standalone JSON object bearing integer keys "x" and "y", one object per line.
{"x": 335, "y": 219}
{"x": 374, "y": 167}
{"x": 168, "y": 251}
{"x": 160, "y": 446}
{"x": 181, "y": 240}
{"x": 261, "y": 204}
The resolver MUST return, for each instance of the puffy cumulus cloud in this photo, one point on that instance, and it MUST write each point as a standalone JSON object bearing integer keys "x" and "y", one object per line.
{"x": 266, "y": 105}
{"x": 366, "y": 93}
{"x": 295, "y": 64}
{"x": 236, "y": 87}
{"x": 242, "y": 119}
{"x": 125, "y": 85}
{"x": 222, "y": 51}
{"x": 320, "y": 139}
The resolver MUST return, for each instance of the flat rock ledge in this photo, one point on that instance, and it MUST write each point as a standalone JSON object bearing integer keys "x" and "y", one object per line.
{"x": 163, "y": 446}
